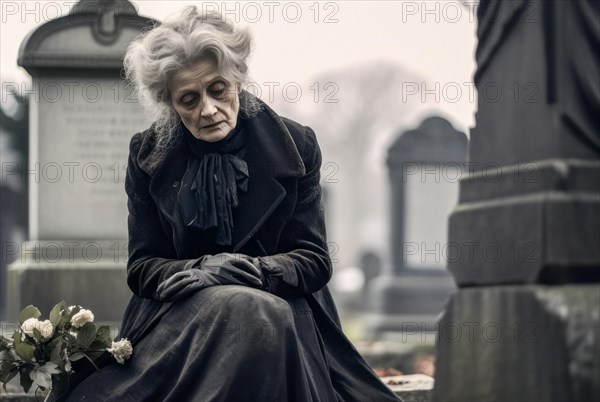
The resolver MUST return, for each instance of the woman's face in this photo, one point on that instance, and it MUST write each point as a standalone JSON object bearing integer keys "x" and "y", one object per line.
{"x": 206, "y": 102}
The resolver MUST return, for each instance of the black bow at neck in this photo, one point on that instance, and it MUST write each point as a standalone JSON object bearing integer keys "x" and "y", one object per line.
{"x": 209, "y": 187}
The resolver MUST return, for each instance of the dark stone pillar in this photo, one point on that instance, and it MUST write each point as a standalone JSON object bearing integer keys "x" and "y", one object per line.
{"x": 527, "y": 227}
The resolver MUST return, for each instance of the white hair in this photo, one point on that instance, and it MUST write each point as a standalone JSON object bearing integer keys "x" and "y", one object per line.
{"x": 181, "y": 41}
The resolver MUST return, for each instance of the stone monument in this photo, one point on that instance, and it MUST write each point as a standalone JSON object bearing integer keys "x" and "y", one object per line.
{"x": 525, "y": 324}
{"x": 82, "y": 117}
{"x": 13, "y": 189}
{"x": 425, "y": 166}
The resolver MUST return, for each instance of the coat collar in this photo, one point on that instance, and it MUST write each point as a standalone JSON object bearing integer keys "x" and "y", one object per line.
{"x": 271, "y": 155}
{"x": 268, "y": 133}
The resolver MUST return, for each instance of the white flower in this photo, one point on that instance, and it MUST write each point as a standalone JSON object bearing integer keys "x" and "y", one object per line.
{"x": 121, "y": 350}
{"x": 42, "y": 375}
{"x": 28, "y": 325}
{"x": 45, "y": 327}
{"x": 81, "y": 318}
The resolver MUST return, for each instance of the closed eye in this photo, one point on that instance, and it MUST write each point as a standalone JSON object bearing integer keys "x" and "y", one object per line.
{"x": 217, "y": 88}
{"x": 188, "y": 99}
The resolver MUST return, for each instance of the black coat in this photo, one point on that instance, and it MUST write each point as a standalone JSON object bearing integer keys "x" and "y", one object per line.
{"x": 280, "y": 216}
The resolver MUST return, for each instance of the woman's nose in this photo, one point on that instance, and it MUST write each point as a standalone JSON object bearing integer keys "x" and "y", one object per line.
{"x": 208, "y": 107}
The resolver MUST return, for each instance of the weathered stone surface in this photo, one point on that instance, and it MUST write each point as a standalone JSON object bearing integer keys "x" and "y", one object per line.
{"x": 537, "y": 82}
{"x": 529, "y": 209}
{"x": 82, "y": 116}
{"x": 90, "y": 274}
{"x": 529, "y": 213}
{"x": 526, "y": 239}
{"x": 520, "y": 343}
{"x": 80, "y": 150}
{"x": 93, "y": 36}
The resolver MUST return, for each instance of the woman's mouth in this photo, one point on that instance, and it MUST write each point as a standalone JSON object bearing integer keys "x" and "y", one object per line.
{"x": 213, "y": 125}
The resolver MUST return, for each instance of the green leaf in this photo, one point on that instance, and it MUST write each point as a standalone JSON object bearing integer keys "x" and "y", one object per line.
{"x": 26, "y": 381}
{"x": 64, "y": 322}
{"x": 66, "y": 315}
{"x": 96, "y": 349}
{"x": 55, "y": 315}
{"x": 25, "y": 351}
{"x": 103, "y": 335}
{"x": 16, "y": 338}
{"x": 86, "y": 335}
{"x": 29, "y": 312}
{"x": 56, "y": 350}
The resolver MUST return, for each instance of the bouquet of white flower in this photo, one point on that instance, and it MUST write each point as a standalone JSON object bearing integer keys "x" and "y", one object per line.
{"x": 41, "y": 351}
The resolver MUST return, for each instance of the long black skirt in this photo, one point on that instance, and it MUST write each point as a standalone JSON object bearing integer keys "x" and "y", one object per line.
{"x": 224, "y": 343}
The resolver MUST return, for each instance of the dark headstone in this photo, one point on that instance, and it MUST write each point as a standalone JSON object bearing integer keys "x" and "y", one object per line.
{"x": 529, "y": 213}
{"x": 531, "y": 204}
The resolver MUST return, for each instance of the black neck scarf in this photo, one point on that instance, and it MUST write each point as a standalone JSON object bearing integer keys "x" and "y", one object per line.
{"x": 210, "y": 184}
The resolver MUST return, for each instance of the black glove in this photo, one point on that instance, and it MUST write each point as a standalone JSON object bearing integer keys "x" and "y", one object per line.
{"x": 211, "y": 270}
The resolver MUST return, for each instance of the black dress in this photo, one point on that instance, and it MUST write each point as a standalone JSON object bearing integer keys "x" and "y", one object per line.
{"x": 233, "y": 343}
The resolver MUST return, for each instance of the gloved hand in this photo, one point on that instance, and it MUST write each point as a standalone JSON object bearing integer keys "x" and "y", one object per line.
{"x": 211, "y": 270}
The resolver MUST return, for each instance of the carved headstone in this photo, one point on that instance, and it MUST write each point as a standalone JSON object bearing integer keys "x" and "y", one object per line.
{"x": 81, "y": 119}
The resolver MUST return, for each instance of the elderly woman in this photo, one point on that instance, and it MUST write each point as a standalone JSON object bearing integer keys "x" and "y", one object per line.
{"x": 228, "y": 258}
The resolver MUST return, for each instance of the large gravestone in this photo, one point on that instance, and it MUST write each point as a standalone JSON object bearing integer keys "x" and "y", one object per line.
{"x": 425, "y": 166}
{"x": 81, "y": 119}
{"x": 525, "y": 324}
